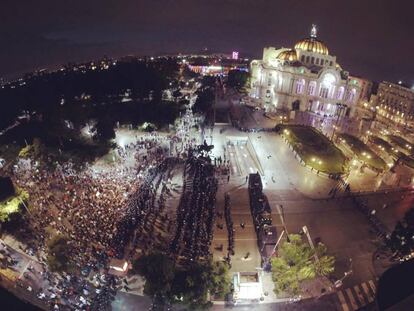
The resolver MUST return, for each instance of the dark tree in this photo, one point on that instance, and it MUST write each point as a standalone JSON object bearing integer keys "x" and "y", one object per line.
{"x": 158, "y": 270}
{"x": 204, "y": 101}
{"x": 402, "y": 238}
{"x": 59, "y": 252}
{"x": 105, "y": 130}
{"x": 197, "y": 280}
{"x": 237, "y": 78}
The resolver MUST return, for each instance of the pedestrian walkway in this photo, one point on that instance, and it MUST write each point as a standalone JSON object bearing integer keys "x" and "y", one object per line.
{"x": 353, "y": 298}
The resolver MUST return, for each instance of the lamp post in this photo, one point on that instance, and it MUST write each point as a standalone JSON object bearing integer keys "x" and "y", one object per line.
{"x": 338, "y": 283}
{"x": 306, "y": 231}
{"x": 282, "y": 218}
{"x": 339, "y": 109}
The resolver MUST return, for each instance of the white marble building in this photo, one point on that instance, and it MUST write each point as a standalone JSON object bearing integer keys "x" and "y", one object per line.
{"x": 305, "y": 78}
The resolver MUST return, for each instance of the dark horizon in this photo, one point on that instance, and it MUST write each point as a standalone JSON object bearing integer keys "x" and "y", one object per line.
{"x": 371, "y": 39}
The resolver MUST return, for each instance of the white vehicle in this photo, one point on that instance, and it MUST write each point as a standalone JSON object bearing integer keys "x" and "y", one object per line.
{"x": 2, "y": 163}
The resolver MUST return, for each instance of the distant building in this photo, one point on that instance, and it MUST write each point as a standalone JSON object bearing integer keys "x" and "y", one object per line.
{"x": 215, "y": 65}
{"x": 395, "y": 104}
{"x": 304, "y": 78}
{"x": 365, "y": 87}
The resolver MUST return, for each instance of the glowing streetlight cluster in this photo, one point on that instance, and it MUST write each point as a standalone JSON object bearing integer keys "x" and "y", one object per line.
{"x": 316, "y": 160}
{"x": 394, "y": 150}
{"x": 381, "y": 147}
{"x": 367, "y": 155}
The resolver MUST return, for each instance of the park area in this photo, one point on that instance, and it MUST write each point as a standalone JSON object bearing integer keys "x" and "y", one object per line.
{"x": 388, "y": 147}
{"x": 401, "y": 143}
{"x": 382, "y": 144}
{"x": 363, "y": 152}
{"x": 315, "y": 149}
{"x": 11, "y": 200}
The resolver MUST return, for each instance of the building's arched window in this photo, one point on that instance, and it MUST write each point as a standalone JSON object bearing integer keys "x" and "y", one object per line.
{"x": 317, "y": 61}
{"x": 300, "y": 86}
{"x": 324, "y": 91}
{"x": 330, "y": 63}
{"x": 331, "y": 93}
{"x": 312, "y": 88}
{"x": 327, "y": 85}
{"x": 313, "y": 60}
{"x": 322, "y": 61}
{"x": 302, "y": 58}
{"x": 340, "y": 93}
{"x": 351, "y": 95}
{"x": 307, "y": 59}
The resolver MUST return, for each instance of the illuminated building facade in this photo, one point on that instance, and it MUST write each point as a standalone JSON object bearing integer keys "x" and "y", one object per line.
{"x": 216, "y": 64}
{"x": 395, "y": 103}
{"x": 305, "y": 78}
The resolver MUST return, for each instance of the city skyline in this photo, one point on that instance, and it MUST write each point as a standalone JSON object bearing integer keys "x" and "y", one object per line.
{"x": 365, "y": 37}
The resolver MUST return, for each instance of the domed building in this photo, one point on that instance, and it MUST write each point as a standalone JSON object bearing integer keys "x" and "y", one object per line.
{"x": 305, "y": 78}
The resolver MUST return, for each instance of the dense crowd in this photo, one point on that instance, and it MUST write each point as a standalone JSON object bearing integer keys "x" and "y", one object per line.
{"x": 143, "y": 208}
{"x": 230, "y": 225}
{"x": 196, "y": 211}
{"x": 90, "y": 206}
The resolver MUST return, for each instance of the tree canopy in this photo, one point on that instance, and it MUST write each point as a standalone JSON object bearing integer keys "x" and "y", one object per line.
{"x": 189, "y": 285}
{"x": 11, "y": 207}
{"x": 59, "y": 252}
{"x": 237, "y": 78}
{"x": 158, "y": 271}
{"x": 402, "y": 237}
{"x": 296, "y": 263}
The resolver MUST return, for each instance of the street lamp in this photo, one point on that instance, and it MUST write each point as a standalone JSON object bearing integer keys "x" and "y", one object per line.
{"x": 339, "y": 107}
{"x": 338, "y": 283}
{"x": 283, "y": 221}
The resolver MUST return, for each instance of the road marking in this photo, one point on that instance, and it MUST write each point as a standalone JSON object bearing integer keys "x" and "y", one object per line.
{"x": 367, "y": 292}
{"x": 342, "y": 300}
{"x": 351, "y": 299}
{"x": 360, "y": 296}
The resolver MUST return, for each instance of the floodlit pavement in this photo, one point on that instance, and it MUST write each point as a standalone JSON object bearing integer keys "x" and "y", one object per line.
{"x": 305, "y": 198}
{"x": 335, "y": 222}
{"x": 267, "y": 153}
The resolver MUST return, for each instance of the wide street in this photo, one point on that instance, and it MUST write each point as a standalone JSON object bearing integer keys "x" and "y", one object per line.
{"x": 305, "y": 198}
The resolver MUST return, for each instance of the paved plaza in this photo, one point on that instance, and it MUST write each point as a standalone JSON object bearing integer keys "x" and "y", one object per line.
{"x": 306, "y": 201}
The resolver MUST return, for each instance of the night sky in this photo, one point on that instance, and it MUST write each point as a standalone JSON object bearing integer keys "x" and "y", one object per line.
{"x": 371, "y": 38}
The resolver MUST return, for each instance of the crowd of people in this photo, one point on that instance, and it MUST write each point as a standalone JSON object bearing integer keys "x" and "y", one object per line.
{"x": 230, "y": 225}
{"x": 143, "y": 208}
{"x": 91, "y": 207}
{"x": 196, "y": 211}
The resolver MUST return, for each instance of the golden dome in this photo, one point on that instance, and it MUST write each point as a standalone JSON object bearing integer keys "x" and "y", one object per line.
{"x": 312, "y": 45}
{"x": 288, "y": 55}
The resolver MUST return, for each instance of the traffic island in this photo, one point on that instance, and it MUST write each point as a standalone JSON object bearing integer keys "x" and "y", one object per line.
{"x": 400, "y": 143}
{"x": 363, "y": 152}
{"x": 383, "y": 145}
{"x": 315, "y": 150}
